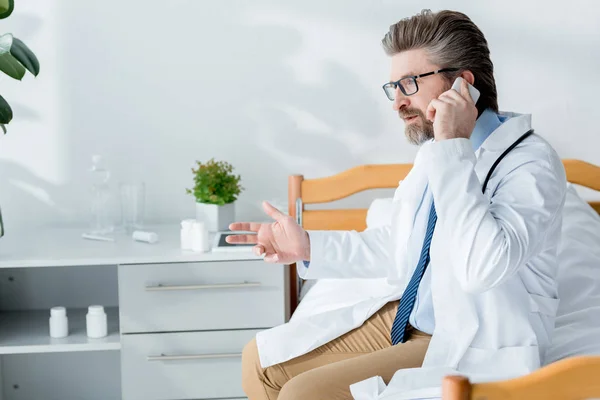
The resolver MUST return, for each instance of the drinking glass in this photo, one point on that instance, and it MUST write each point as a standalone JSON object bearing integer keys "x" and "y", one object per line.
{"x": 132, "y": 205}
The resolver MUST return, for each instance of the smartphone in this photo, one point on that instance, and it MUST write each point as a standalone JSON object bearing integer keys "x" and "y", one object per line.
{"x": 472, "y": 91}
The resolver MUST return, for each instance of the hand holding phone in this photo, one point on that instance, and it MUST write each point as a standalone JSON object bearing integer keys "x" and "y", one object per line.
{"x": 452, "y": 116}
{"x": 472, "y": 91}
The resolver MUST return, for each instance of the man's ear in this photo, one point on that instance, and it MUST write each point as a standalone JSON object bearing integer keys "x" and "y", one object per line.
{"x": 468, "y": 76}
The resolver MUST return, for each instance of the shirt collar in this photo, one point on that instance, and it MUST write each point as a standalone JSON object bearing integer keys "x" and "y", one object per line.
{"x": 511, "y": 129}
{"x": 487, "y": 123}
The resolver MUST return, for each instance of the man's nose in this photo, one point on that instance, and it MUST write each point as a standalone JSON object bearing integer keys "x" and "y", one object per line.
{"x": 400, "y": 100}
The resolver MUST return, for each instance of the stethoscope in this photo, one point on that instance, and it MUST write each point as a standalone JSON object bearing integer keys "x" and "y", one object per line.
{"x": 512, "y": 146}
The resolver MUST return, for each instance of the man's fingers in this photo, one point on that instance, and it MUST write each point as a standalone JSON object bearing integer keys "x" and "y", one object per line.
{"x": 430, "y": 113}
{"x": 273, "y": 212}
{"x": 435, "y": 106}
{"x": 431, "y": 109}
{"x": 245, "y": 226}
{"x": 451, "y": 97}
{"x": 241, "y": 239}
{"x": 272, "y": 258}
{"x": 258, "y": 250}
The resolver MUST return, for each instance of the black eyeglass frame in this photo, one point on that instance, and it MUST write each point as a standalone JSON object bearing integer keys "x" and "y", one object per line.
{"x": 414, "y": 78}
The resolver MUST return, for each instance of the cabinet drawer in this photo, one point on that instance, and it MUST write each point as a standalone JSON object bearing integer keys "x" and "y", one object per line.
{"x": 188, "y": 365}
{"x": 202, "y": 296}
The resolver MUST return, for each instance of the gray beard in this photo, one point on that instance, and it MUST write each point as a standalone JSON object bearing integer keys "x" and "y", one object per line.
{"x": 417, "y": 134}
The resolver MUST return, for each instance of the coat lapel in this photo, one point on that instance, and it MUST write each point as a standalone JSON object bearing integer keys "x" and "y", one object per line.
{"x": 406, "y": 201}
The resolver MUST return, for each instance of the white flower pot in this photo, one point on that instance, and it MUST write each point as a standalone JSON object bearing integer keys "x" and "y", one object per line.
{"x": 216, "y": 218}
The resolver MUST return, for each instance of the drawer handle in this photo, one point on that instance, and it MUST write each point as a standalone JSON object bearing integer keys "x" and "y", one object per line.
{"x": 163, "y": 357}
{"x": 161, "y": 287}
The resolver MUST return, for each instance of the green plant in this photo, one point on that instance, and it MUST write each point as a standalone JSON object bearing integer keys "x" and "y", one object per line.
{"x": 215, "y": 183}
{"x": 15, "y": 60}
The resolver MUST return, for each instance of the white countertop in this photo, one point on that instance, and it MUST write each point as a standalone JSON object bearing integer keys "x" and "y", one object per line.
{"x": 65, "y": 247}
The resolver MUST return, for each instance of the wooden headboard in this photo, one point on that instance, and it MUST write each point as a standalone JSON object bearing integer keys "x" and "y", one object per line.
{"x": 377, "y": 176}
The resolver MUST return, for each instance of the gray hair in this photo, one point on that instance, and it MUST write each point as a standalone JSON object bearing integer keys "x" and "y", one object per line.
{"x": 451, "y": 40}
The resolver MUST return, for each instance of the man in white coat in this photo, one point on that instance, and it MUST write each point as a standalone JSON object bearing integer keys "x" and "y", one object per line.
{"x": 470, "y": 270}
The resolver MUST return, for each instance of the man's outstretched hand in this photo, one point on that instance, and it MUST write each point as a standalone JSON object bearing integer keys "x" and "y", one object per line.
{"x": 282, "y": 241}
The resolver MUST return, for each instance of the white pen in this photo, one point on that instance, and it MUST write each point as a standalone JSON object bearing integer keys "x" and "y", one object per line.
{"x": 97, "y": 237}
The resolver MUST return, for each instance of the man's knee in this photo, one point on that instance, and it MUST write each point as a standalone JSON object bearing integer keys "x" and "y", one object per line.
{"x": 305, "y": 386}
{"x": 295, "y": 389}
{"x": 251, "y": 369}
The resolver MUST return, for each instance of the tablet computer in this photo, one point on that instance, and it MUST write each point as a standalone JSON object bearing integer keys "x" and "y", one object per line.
{"x": 219, "y": 243}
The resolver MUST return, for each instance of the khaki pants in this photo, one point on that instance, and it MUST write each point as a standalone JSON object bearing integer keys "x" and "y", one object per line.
{"x": 328, "y": 371}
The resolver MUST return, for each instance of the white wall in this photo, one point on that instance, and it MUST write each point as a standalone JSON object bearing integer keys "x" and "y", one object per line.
{"x": 273, "y": 87}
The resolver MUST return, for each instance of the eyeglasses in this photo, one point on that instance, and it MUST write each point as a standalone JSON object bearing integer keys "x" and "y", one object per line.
{"x": 408, "y": 85}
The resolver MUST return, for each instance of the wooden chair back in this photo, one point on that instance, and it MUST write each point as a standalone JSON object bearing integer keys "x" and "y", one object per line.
{"x": 302, "y": 192}
{"x": 379, "y": 176}
{"x": 575, "y": 378}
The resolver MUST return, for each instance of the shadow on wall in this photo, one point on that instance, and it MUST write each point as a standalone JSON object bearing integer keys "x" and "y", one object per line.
{"x": 273, "y": 90}
{"x": 323, "y": 117}
{"x": 232, "y": 95}
{"x": 25, "y": 196}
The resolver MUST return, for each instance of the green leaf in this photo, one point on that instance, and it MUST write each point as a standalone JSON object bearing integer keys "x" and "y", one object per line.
{"x": 16, "y": 57}
{"x": 6, "y": 113}
{"x": 22, "y": 54}
{"x": 6, "y": 8}
{"x": 8, "y": 64}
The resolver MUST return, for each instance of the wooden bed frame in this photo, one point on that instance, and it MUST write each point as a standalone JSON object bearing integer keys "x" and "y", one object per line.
{"x": 302, "y": 192}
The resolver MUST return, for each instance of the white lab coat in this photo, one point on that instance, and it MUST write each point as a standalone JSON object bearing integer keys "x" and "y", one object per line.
{"x": 493, "y": 261}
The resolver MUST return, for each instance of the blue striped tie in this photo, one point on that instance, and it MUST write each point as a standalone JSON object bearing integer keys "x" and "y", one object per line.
{"x": 407, "y": 301}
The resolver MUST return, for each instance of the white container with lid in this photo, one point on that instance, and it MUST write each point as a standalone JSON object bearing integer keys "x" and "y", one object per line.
{"x": 59, "y": 323}
{"x": 199, "y": 237}
{"x": 186, "y": 234}
{"x": 96, "y": 322}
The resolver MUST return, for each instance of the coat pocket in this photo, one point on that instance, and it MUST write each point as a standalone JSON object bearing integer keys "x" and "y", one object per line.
{"x": 542, "y": 317}
{"x": 504, "y": 363}
{"x": 544, "y": 305}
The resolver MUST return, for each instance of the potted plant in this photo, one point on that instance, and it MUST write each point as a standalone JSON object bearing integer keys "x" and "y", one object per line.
{"x": 15, "y": 60}
{"x": 216, "y": 188}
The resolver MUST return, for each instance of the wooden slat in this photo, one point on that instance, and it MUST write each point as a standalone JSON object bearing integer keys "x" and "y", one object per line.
{"x": 352, "y": 219}
{"x": 456, "y": 387}
{"x": 354, "y": 180}
{"x": 570, "y": 379}
{"x": 338, "y": 220}
{"x": 582, "y": 173}
{"x": 294, "y": 192}
{"x": 377, "y": 176}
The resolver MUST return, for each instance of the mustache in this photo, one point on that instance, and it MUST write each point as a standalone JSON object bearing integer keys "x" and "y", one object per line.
{"x": 411, "y": 112}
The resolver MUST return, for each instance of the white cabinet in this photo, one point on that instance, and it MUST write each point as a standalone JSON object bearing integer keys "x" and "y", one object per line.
{"x": 178, "y": 320}
{"x": 188, "y": 365}
{"x": 200, "y": 296}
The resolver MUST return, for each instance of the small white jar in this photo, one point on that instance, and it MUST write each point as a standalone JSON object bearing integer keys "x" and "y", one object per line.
{"x": 143, "y": 236}
{"x": 186, "y": 234}
{"x": 59, "y": 323}
{"x": 199, "y": 237}
{"x": 96, "y": 322}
